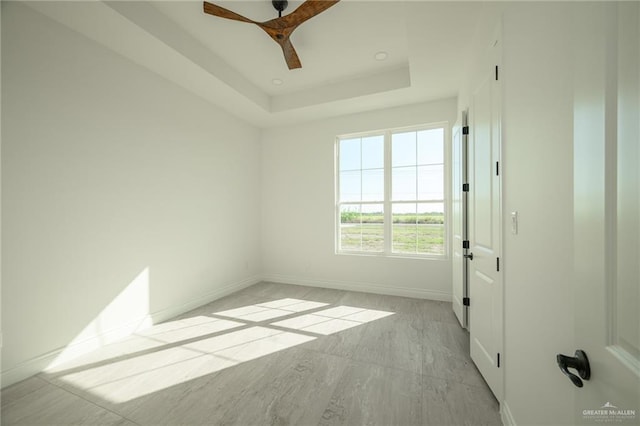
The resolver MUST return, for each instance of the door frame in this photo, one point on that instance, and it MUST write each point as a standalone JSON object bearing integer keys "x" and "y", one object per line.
{"x": 459, "y": 175}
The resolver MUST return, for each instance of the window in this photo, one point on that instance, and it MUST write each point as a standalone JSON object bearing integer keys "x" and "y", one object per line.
{"x": 391, "y": 192}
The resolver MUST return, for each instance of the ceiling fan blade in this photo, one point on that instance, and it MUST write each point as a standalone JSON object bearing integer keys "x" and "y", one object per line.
{"x": 216, "y": 10}
{"x": 306, "y": 10}
{"x": 279, "y": 29}
{"x": 290, "y": 54}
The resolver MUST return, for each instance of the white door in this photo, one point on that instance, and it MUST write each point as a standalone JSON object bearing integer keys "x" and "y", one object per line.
{"x": 485, "y": 278}
{"x": 606, "y": 213}
{"x": 459, "y": 219}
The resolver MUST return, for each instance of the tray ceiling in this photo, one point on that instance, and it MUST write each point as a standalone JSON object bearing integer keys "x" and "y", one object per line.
{"x": 234, "y": 64}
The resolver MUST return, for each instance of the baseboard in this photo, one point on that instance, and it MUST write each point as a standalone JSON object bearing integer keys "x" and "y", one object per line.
{"x": 28, "y": 368}
{"x": 505, "y": 414}
{"x": 361, "y": 286}
{"x": 40, "y": 363}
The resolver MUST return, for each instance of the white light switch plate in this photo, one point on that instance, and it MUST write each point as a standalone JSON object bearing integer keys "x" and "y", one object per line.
{"x": 514, "y": 223}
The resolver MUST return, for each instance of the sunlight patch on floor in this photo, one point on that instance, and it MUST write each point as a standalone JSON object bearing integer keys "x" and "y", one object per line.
{"x": 332, "y": 320}
{"x": 270, "y": 310}
{"x": 195, "y": 347}
{"x": 203, "y": 329}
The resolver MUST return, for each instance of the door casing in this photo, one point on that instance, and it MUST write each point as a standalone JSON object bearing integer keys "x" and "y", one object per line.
{"x": 459, "y": 219}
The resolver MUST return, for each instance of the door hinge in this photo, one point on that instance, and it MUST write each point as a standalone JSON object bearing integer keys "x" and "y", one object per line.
{"x": 498, "y": 264}
{"x": 465, "y": 244}
{"x": 465, "y": 130}
{"x": 465, "y": 301}
{"x": 498, "y": 362}
{"x": 497, "y": 168}
{"x": 465, "y": 187}
{"x": 496, "y": 73}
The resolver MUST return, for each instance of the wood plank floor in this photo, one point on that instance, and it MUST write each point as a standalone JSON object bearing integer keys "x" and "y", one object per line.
{"x": 272, "y": 354}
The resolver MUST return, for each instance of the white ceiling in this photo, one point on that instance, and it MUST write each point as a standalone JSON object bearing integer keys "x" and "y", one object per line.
{"x": 232, "y": 64}
{"x": 335, "y": 45}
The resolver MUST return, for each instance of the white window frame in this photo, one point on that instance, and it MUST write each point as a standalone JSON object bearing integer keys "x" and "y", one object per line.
{"x": 387, "y": 202}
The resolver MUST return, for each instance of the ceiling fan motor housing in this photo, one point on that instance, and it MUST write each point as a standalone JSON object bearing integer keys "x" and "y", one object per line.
{"x": 280, "y": 5}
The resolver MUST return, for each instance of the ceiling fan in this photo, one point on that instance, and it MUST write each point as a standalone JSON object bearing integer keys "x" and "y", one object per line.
{"x": 280, "y": 28}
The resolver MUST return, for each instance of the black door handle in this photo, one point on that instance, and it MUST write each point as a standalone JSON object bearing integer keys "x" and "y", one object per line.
{"x": 468, "y": 256}
{"x": 580, "y": 362}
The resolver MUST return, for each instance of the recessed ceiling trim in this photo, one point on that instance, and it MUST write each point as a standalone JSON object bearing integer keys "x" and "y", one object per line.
{"x": 388, "y": 80}
{"x": 149, "y": 18}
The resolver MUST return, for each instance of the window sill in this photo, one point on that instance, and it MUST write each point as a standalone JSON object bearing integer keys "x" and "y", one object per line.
{"x": 436, "y": 257}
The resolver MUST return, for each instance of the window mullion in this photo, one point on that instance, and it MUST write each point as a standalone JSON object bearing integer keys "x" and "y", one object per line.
{"x": 416, "y": 195}
{"x": 360, "y": 207}
{"x": 388, "y": 228}
{"x": 338, "y": 196}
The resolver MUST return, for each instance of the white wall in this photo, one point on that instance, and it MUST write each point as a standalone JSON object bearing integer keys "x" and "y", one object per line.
{"x": 115, "y": 182}
{"x": 298, "y": 202}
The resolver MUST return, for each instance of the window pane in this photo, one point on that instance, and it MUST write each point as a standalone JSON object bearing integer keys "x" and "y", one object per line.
{"x": 404, "y": 238}
{"x": 362, "y": 227}
{"x": 431, "y": 146}
{"x": 403, "y": 183}
{"x": 350, "y": 228}
{"x": 430, "y": 228}
{"x": 350, "y": 154}
{"x": 350, "y": 186}
{"x": 373, "y": 185}
{"x": 403, "y": 149}
{"x": 372, "y": 227}
{"x": 431, "y": 182}
{"x": 373, "y": 152}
